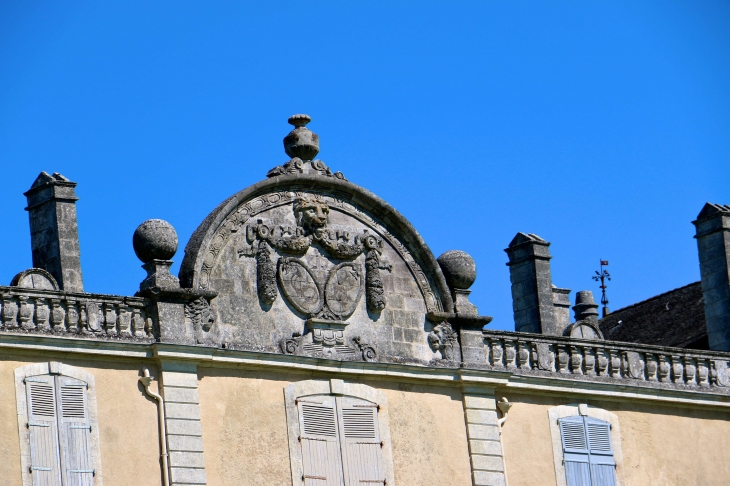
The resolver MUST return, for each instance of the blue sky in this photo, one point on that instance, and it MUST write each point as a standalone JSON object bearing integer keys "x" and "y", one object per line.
{"x": 603, "y": 127}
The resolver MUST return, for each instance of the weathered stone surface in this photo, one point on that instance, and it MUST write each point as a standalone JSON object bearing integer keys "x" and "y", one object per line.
{"x": 532, "y": 289}
{"x": 54, "y": 233}
{"x": 333, "y": 252}
{"x": 154, "y": 239}
{"x": 459, "y": 269}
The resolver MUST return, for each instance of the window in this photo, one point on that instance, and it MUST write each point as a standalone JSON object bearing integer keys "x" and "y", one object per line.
{"x": 338, "y": 439}
{"x": 586, "y": 445}
{"x": 587, "y": 451}
{"x": 59, "y": 443}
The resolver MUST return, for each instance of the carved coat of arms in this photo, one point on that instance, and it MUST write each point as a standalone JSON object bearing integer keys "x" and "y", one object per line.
{"x": 327, "y": 293}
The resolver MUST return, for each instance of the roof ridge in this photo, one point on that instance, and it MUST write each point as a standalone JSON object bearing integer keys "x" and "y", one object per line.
{"x": 649, "y": 299}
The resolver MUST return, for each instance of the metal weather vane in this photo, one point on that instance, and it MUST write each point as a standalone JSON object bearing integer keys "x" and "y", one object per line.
{"x": 602, "y": 276}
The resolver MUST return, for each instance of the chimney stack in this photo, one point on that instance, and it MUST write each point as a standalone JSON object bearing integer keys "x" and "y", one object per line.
{"x": 54, "y": 234}
{"x": 713, "y": 244}
{"x": 532, "y": 288}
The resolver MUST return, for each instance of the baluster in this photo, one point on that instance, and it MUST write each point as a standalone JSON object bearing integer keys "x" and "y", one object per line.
{"x": 138, "y": 322}
{"x": 57, "y": 316}
{"x": 664, "y": 369}
{"x": 677, "y": 370}
{"x": 589, "y": 361}
{"x": 124, "y": 320}
{"x": 563, "y": 359}
{"x": 689, "y": 370}
{"x": 72, "y": 316}
{"x": 703, "y": 371}
{"x": 651, "y": 367}
{"x": 110, "y": 315}
{"x": 10, "y": 312}
{"x": 615, "y": 363}
{"x": 25, "y": 313}
{"x": 576, "y": 360}
{"x": 42, "y": 314}
{"x": 523, "y": 355}
{"x": 509, "y": 353}
{"x": 602, "y": 361}
{"x": 496, "y": 354}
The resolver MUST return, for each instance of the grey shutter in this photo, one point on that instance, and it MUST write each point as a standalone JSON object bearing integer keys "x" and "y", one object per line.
{"x": 360, "y": 441}
{"x": 74, "y": 432}
{"x": 603, "y": 466}
{"x": 321, "y": 457}
{"x": 45, "y": 468}
{"x": 575, "y": 451}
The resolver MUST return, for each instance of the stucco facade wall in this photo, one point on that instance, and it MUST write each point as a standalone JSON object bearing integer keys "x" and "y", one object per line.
{"x": 661, "y": 445}
{"x": 127, "y": 422}
{"x": 246, "y": 442}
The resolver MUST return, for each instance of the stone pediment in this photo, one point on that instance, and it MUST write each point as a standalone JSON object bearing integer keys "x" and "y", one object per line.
{"x": 313, "y": 264}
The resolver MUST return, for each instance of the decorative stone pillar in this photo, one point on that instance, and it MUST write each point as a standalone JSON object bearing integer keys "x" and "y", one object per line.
{"x": 532, "y": 288}
{"x": 485, "y": 447}
{"x": 713, "y": 244}
{"x": 179, "y": 388}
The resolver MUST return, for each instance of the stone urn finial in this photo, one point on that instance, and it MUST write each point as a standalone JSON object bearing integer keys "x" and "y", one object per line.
{"x": 301, "y": 142}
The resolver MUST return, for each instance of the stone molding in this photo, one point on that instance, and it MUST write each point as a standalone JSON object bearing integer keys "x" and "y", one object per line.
{"x": 335, "y": 387}
{"x": 56, "y": 368}
{"x": 476, "y": 376}
{"x": 571, "y": 410}
{"x": 89, "y": 316}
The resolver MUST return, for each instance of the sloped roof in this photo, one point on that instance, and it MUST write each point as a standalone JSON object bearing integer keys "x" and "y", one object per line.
{"x": 675, "y": 318}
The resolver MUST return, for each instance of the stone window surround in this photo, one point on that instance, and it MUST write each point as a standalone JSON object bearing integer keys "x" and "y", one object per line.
{"x": 575, "y": 409}
{"x": 301, "y": 389}
{"x": 54, "y": 368}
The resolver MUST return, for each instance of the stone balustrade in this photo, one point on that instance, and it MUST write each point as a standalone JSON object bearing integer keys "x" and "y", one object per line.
{"x": 604, "y": 360}
{"x": 64, "y": 313}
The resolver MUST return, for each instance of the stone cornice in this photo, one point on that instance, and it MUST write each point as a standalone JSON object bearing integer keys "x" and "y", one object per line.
{"x": 470, "y": 379}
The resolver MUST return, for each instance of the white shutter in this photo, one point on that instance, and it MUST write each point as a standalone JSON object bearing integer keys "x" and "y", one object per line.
{"x": 45, "y": 466}
{"x": 74, "y": 432}
{"x": 360, "y": 442}
{"x": 603, "y": 466}
{"x": 321, "y": 458}
{"x": 575, "y": 451}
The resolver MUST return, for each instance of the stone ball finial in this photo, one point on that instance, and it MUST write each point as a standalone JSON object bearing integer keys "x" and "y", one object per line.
{"x": 155, "y": 239}
{"x": 459, "y": 269}
{"x": 301, "y": 142}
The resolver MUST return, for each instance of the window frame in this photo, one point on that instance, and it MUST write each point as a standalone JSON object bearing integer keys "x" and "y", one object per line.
{"x": 585, "y": 410}
{"x": 54, "y": 368}
{"x": 334, "y": 387}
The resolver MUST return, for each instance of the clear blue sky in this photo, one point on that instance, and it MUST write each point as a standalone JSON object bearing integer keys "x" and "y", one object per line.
{"x": 603, "y": 127}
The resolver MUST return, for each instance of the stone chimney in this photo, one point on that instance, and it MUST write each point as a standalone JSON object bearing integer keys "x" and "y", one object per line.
{"x": 533, "y": 302}
{"x": 713, "y": 244}
{"x": 585, "y": 307}
{"x": 54, "y": 234}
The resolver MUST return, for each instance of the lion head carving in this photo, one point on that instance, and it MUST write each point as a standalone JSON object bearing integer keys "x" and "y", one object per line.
{"x": 311, "y": 213}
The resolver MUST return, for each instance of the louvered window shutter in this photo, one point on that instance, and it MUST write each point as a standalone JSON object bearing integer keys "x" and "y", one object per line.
{"x": 360, "y": 442}
{"x": 603, "y": 466}
{"x": 45, "y": 465}
{"x": 575, "y": 451}
{"x": 74, "y": 432}
{"x": 321, "y": 456}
